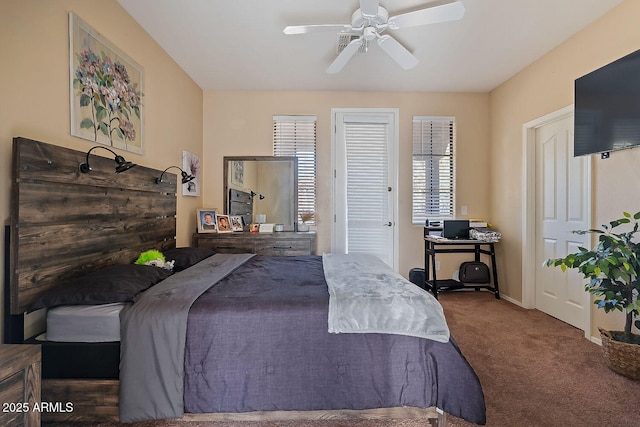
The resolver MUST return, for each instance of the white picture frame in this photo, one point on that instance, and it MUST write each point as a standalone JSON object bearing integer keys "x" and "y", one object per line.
{"x": 207, "y": 220}
{"x": 266, "y": 228}
{"x": 191, "y": 165}
{"x": 237, "y": 224}
{"x": 224, "y": 223}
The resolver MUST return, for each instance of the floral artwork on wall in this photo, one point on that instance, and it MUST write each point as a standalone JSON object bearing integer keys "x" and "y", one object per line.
{"x": 191, "y": 165}
{"x": 106, "y": 90}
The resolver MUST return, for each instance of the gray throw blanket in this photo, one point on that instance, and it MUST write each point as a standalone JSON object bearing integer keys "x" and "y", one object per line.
{"x": 367, "y": 296}
{"x": 153, "y": 334}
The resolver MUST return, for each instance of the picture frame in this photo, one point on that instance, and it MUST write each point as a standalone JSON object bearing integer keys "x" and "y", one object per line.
{"x": 106, "y": 106}
{"x": 237, "y": 224}
{"x": 207, "y": 220}
{"x": 224, "y": 223}
{"x": 237, "y": 172}
{"x": 266, "y": 228}
{"x": 191, "y": 165}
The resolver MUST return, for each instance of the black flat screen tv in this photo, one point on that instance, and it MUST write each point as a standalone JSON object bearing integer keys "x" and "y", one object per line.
{"x": 607, "y": 107}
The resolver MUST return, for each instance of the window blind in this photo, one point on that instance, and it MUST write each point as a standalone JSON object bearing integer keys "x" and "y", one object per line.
{"x": 367, "y": 193}
{"x": 433, "y": 168}
{"x": 296, "y": 136}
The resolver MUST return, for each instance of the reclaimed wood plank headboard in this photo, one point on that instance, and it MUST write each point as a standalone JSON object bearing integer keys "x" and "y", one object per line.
{"x": 65, "y": 223}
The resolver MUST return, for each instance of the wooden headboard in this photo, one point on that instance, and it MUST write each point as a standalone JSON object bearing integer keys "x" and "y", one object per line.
{"x": 65, "y": 223}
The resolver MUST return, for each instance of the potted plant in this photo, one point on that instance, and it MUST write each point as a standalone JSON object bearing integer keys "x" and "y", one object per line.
{"x": 613, "y": 270}
{"x": 305, "y": 216}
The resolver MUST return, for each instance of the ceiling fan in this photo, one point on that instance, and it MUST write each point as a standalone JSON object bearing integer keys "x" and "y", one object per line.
{"x": 371, "y": 20}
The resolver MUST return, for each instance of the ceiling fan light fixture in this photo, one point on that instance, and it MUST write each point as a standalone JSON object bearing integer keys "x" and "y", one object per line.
{"x": 371, "y": 20}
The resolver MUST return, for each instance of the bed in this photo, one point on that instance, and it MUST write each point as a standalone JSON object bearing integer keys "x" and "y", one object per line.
{"x": 257, "y": 342}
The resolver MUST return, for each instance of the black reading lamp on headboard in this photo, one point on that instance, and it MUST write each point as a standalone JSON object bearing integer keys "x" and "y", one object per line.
{"x": 122, "y": 164}
{"x": 185, "y": 176}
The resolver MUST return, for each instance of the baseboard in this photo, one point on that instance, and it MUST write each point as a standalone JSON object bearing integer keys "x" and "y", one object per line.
{"x": 511, "y": 300}
{"x": 593, "y": 339}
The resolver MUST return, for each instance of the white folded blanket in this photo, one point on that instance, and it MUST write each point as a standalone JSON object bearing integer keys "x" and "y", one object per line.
{"x": 367, "y": 296}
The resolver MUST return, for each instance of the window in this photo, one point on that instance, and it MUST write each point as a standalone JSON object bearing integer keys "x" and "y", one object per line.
{"x": 296, "y": 136}
{"x": 433, "y": 168}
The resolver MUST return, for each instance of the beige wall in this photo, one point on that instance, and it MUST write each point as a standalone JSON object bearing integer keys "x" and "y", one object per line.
{"x": 34, "y": 89}
{"x": 544, "y": 87}
{"x": 238, "y": 123}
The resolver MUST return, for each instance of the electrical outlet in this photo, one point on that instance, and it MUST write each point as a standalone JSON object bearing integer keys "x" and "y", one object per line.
{"x": 463, "y": 210}
{"x": 437, "y": 265}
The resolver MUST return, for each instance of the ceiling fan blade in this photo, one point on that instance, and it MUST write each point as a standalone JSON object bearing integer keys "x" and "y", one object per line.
{"x": 345, "y": 56}
{"x": 369, "y": 7}
{"x": 431, "y": 15}
{"x": 398, "y": 52}
{"x": 305, "y": 29}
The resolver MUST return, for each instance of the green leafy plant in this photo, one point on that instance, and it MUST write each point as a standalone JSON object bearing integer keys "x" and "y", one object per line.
{"x": 613, "y": 270}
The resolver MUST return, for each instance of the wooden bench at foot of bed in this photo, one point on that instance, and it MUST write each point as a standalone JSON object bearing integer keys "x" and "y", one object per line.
{"x": 97, "y": 401}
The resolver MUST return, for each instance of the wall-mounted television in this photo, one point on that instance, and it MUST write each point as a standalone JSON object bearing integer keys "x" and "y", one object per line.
{"x": 607, "y": 107}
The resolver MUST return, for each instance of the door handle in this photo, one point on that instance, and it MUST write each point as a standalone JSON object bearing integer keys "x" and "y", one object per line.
{"x": 389, "y": 224}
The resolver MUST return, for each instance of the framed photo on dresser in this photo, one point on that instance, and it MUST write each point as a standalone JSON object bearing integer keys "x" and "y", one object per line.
{"x": 207, "y": 220}
{"x": 236, "y": 223}
{"x": 224, "y": 224}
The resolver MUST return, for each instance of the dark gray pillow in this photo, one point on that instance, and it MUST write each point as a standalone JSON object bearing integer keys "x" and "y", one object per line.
{"x": 118, "y": 283}
{"x": 186, "y": 257}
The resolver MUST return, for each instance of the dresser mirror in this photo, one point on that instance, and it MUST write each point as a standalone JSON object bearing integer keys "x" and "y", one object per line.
{"x": 262, "y": 189}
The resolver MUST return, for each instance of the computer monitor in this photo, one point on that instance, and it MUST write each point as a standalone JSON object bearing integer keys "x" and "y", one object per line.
{"x": 456, "y": 229}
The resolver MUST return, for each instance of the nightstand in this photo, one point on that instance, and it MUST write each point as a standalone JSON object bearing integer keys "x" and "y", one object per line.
{"x": 19, "y": 384}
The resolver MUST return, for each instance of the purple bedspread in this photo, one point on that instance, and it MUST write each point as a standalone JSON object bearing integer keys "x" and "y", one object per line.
{"x": 258, "y": 341}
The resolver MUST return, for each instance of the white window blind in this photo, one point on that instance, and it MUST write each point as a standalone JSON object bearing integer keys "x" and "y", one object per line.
{"x": 433, "y": 168}
{"x": 296, "y": 136}
{"x": 367, "y": 187}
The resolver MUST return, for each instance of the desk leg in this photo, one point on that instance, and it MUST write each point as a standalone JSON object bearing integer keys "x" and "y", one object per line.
{"x": 429, "y": 265}
{"x": 495, "y": 271}
{"x": 433, "y": 267}
{"x": 426, "y": 265}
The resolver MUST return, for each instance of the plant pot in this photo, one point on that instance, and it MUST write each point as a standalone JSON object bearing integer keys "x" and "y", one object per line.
{"x": 303, "y": 227}
{"x": 621, "y": 357}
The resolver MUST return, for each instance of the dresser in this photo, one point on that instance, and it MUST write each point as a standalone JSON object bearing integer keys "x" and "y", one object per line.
{"x": 284, "y": 243}
{"x": 20, "y": 384}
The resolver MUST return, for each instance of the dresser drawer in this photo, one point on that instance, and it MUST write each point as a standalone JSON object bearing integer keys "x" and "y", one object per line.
{"x": 285, "y": 247}
{"x": 283, "y": 243}
{"x": 224, "y": 246}
{"x": 232, "y": 246}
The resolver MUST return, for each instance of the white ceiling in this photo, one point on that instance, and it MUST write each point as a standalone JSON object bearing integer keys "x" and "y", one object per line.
{"x": 239, "y": 44}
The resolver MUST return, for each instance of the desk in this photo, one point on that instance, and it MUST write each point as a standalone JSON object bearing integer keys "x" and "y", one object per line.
{"x": 434, "y": 245}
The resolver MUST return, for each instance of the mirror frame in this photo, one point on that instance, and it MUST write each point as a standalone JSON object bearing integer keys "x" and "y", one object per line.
{"x": 226, "y": 160}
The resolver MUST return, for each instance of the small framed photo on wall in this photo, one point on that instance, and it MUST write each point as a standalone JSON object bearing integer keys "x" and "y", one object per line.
{"x": 207, "y": 220}
{"x": 224, "y": 225}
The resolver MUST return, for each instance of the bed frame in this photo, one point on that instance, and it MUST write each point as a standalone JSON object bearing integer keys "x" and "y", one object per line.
{"x": 65, "y": 224}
